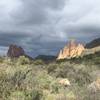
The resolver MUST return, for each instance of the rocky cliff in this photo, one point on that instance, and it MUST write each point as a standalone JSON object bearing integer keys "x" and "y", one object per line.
{"x": 15, "y": 51}
{"x": 71, "y": 50}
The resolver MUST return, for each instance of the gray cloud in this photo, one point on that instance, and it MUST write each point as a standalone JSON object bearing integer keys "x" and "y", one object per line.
{"x": 44, "y": 26}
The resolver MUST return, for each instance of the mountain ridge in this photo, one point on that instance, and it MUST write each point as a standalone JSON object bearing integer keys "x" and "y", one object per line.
{"x": 93, "y": 43}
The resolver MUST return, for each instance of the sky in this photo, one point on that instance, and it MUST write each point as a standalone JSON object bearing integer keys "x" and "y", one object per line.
{"x": 44, "y": 26}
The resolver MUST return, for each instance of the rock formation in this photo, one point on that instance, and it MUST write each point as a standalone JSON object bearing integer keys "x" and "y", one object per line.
{"x": 15, "y": 51}
{"x": 71, "y": 50}
{"x": 64, "y": 82}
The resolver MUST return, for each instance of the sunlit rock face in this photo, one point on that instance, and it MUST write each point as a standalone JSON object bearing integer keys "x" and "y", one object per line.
{"x": 71, "y": 50}
{"x": 15, "y": 51}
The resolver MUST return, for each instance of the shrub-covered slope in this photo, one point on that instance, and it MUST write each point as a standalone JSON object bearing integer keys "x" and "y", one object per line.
{"x": 93, "y": 43}
{"x": 22, "y": 79}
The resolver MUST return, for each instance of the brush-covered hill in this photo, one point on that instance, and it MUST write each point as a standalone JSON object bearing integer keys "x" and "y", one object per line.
{"x": 25, "y": 79}
{"x": 94, "y": 43}
{"x": 46, "y": 58}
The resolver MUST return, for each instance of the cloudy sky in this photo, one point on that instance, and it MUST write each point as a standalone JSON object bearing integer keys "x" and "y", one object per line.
{"x": 44, "y": 26}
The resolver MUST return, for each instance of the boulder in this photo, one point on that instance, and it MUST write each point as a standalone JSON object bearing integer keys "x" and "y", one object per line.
{"x": 64, "y": 82}
{"x": 15, "y": 51}
{"x": 71, "y": 50}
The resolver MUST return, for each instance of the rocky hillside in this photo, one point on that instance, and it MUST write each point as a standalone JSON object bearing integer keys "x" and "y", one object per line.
{"x": 92, "y": 47}
{"x": 93, "y": 43}
{"x": 91, "y": 51}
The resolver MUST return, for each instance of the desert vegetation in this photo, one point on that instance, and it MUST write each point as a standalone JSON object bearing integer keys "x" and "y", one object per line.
{"x": 24, "y": 79}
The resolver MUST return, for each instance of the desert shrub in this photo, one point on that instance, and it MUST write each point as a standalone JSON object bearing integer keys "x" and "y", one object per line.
{"x": 38, "y": 62}
{"x": 97, "y": 60}
{"x": 17, "y": 95}
{"x": 50, "y": 97}
{"x": 44, "y": 80}
{"x": 33, "y": 95}
{"x": 55, "y": 87}
{"x": 7, "y": 61}
{"x": 69, "y": 96}
{"x": 62, "y": 70}
{"x": 5, "y": 87}
{"x": 23, "y": 60}
{"x": 1, "y": 60}
{"x": 76, "y": 73}
{"x": 17, "y": 79}
{"x": 22, "y": 80}
{"x": 61, "y": 96}
{"x": 82, "y": 77}
{"x": 52, "y": 67}
{"x": 25, "y": 95}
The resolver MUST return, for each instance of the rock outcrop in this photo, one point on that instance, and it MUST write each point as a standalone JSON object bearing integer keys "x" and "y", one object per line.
{"x": 64, "y": 82}
{"x": 71, "y": 50}
{"x": 15, "y": 51}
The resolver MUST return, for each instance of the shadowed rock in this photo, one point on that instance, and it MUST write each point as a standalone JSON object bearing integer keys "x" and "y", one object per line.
{"x": 15, "y": 51}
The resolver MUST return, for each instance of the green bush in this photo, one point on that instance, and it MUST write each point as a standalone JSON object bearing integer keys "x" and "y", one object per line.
{"x": 1, "y": 60}
{"x": 25, "y": 95}
{"x": 51, "y": 68}
{"x": 38, "y": 62}
{"x": 23, "y": 60}
{"x": 33, "y": 95}
{"x": 44, "y": 80}
{"x": 17, "y": 95}
{"x": 55, "y": 87}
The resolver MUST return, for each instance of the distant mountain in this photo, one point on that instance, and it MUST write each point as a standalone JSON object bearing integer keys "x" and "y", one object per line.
{"x": 46, "y": 57}
{"x": 93, "y": 43}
